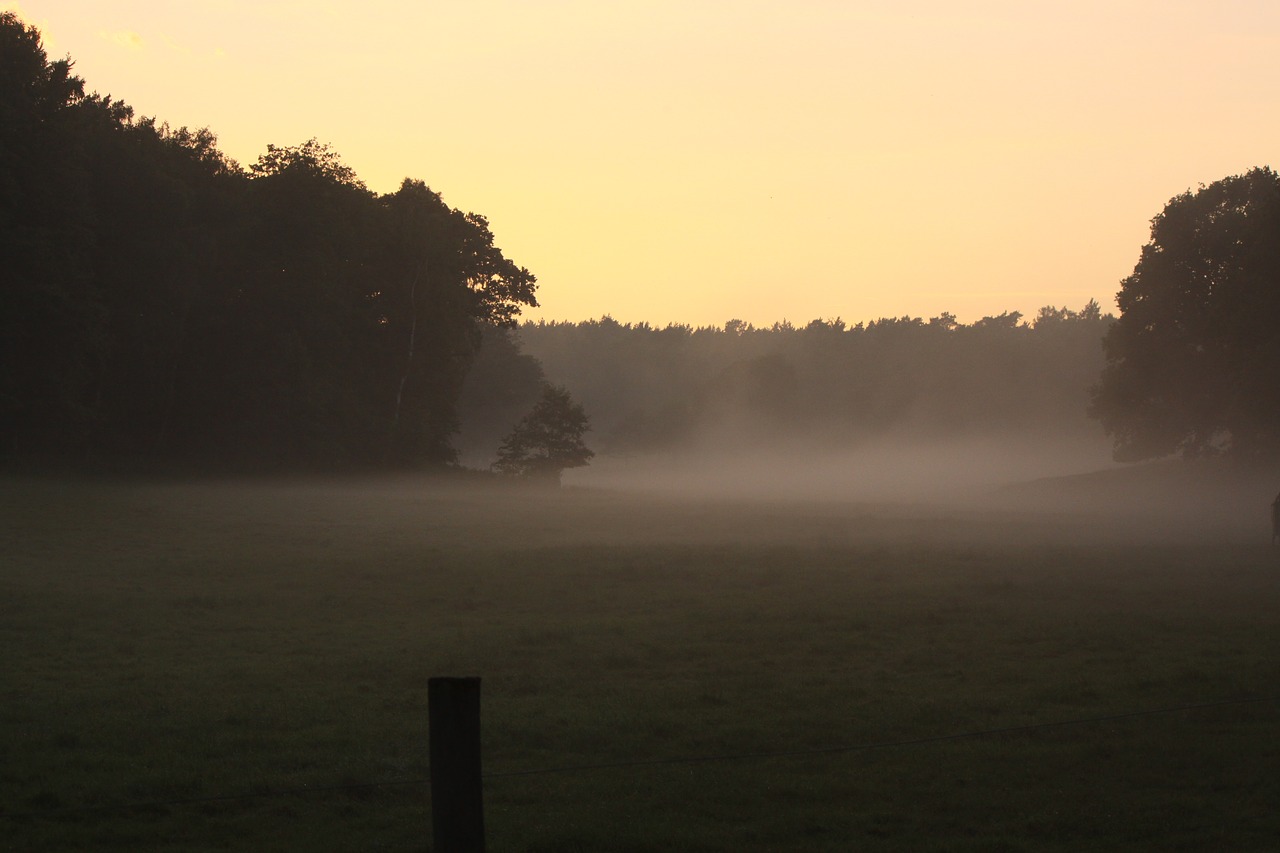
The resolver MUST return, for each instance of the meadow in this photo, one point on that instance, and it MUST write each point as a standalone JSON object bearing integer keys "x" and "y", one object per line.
{"x": 229, "y": 665}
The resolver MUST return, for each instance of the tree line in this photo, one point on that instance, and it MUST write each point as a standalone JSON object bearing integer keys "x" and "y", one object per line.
{"x": 1191, "y": 366}
{"x": 165, "y": 305}
{"x": 825, "y": 383}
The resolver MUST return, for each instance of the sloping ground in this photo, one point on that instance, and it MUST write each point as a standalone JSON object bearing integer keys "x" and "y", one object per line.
{"x": 1208, "y": 496}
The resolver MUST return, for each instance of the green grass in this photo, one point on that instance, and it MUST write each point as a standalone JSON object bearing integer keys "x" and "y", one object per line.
{"x": 167, "y": 642}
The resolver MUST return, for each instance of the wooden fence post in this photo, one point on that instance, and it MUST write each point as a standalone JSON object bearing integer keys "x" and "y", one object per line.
{"x": 457, "y": 810}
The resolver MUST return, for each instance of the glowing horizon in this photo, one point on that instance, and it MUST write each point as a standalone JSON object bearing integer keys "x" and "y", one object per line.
{"x": 698, "y": 162}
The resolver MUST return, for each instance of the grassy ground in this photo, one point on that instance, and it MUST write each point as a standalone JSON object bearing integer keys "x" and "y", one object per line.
{"x": 172, "y": 642}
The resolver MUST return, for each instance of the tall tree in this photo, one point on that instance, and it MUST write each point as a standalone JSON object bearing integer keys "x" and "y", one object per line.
{"x": 1193, "y": 363}
{"x": 444, "y": 280}
{"x": 53, "y": 324}
{"x": 294, "y": 313}
{"x": 163, "y": 305}
{"x": 164, "y": 201}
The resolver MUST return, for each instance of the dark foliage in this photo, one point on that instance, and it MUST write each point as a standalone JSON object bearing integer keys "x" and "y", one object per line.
{"x": 1193, "y": 361}
{"x": 547, "y": 440}
{"x": 501, "y": 386}
{"x": 826, "y": 383}
{"x": 165, "y": 307}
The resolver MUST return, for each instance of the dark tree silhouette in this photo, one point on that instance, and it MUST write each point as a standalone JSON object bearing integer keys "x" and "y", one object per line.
{"x": 445, "y": 282}
{"x": 165, "y": 307}
{"x": 52, "y": 321}
{"x": 547, "y": 440}
{"x": 502, "y": 384}
{"x": 827, "y": 383}
{"x": 1193, "y": 363}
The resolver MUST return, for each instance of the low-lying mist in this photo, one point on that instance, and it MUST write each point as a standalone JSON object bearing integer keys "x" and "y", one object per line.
{"x": 1172, "y": 498}
{"x": 938, "y": 471}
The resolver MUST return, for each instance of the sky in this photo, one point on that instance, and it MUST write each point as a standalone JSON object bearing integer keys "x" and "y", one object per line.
{"x": 701, "y": 161}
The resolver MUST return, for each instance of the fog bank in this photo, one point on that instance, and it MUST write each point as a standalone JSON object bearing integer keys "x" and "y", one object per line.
{"x": 1170, "y": 499}
{"x": 943, "y": 471}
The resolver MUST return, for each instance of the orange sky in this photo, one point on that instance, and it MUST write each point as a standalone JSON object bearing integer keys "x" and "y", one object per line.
{"x": 700, "y": 161}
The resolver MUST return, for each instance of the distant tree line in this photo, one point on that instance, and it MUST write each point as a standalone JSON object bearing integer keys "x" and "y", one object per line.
{"x": 1191, "y": 367}
{"x": 650, "y": 388}
{"x": 162, "y": 304}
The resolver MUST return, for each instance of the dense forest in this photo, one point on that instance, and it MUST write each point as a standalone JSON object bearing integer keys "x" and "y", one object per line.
{"x": 825, "y": 385}
{"x": 166, "y": 307}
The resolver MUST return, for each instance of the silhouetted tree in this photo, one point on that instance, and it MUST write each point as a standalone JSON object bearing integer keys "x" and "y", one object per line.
{"x": 1193, "y": 363}
{"x": 547, "y": 440}
{"x": 164, "y": 306}
{"x": 52, "y": 324}
{"x": 446, "y": 281}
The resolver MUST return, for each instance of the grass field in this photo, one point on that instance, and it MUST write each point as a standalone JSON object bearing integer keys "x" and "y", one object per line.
{"x": 166, "y": 642}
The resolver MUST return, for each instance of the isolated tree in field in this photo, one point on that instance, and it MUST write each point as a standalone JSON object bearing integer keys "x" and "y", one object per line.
{"x": 547, "y": 440}
{"x": 1193, "y": 363}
